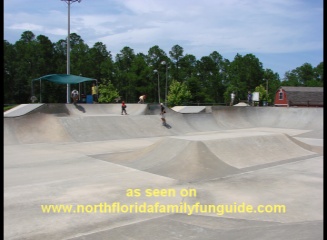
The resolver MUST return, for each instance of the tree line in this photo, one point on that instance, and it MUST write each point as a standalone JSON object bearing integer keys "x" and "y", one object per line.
{"x": 176, "y": 77}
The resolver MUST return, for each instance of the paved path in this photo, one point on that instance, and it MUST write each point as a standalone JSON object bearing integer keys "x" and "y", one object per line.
{"x": 89, "y": 154}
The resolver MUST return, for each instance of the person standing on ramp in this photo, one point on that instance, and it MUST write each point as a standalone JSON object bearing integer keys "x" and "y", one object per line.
{"x": 123, "y": 108}
{"x": 162, "y": 113}
{"x": 94, "y": 90}
{"x": 249, "y": 98}
{"x": 74, "y": 96}
{"x": 142, "y": 99}
{"x": 232, "y": 97}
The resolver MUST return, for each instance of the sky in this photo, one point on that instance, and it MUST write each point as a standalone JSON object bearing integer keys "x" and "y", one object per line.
{"x": 282, "y": 34}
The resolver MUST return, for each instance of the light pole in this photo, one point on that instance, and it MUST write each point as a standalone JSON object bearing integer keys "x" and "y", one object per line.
{"x": 69, "y": 2}
{"x": 156, "y": 71}
{"x": 267, "y": 91}
{"x": 178, "y": 67}
{"x": 79, "y": 89}
{"x": 164, "y": 63}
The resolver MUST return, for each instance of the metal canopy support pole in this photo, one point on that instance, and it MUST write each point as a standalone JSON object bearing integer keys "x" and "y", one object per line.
{"x": 40, "y": 91}
{"x": 32, "y": 88}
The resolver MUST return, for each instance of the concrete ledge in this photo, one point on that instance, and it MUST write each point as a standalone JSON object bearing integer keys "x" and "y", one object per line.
{"x": 189, "y": 109}
{"x": 22, "y": 109}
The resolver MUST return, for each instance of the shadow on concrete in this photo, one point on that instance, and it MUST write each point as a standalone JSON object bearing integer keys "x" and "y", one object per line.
{"x": 167, "y": 125}
{"x": 79, "y": 107}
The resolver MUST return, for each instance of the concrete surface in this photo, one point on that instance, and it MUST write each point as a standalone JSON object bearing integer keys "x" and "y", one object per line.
{"x": 21, "y": 109}
{"x": 90, "y": 154}
{"x": 241, "y": 104}
{"x": 189, "y": 109}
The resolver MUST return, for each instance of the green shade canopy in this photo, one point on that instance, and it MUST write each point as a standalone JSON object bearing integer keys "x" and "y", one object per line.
{"x": 64, "y": 78}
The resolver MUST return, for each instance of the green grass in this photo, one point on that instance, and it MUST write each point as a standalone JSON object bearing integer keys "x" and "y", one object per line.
{"x": 6, "y": 108}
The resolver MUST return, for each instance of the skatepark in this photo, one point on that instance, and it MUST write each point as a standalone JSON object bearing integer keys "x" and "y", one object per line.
{"x": 87, "y": 154}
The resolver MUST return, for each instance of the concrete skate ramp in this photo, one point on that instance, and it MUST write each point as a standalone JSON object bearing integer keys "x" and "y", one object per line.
{"x": 21, "y": 109}
{"x": 203, "y": 157}
{"x": 105, "y": 109}
{"x": 98, "y": 122}
{"x": 275, "y": 117}
{"x": 89, "y": 155}
{"x": 81, "y": 123}
{"x": 189, "y": 109}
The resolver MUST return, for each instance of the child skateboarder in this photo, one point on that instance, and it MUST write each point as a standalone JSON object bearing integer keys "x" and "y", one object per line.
{"x": 123, "y": 108}
{"x": 162, "y": 113}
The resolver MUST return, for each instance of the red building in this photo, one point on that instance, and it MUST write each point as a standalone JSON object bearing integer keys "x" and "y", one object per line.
{"x": 299, "y": 96}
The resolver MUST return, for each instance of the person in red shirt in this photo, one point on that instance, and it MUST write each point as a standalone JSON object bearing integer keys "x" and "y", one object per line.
{"x": 123, "y": 108}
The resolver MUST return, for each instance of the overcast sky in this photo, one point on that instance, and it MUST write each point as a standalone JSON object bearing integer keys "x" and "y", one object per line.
{"x": 282, "y": 34}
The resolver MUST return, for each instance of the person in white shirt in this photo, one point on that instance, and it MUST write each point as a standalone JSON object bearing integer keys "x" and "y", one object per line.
{"x": 142, "y": 98}
{"x": 74, "y": 96}
{"x": 232, "y": 97}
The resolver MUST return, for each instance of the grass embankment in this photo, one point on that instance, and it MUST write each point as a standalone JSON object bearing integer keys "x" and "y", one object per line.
{"x": 6, "y": 108}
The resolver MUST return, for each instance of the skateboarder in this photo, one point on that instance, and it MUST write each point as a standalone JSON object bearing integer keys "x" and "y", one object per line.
{"x": 74, "y": 96}
{"x": 123, "y": 108}
{"x": 142, "y": 98}
{"x": 162, "y": 113}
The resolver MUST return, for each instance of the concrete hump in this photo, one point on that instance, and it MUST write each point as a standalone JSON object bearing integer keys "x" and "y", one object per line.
{"x": 257, "y": 149}
{"x": 195, "y": 158}
{"x": 179, "y": 159}
{"x": 35, "y": 128}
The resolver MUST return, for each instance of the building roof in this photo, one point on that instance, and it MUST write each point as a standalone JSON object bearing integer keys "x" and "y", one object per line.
{"x": 303, "y": 89}
{"x": 304, "y": 95}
